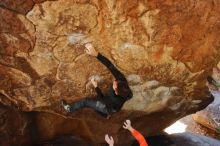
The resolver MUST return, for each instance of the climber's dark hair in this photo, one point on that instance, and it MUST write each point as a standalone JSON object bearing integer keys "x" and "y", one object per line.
{"x": 122, "y": 88}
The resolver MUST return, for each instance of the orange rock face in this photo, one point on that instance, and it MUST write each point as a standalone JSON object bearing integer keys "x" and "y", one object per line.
{"x": 164, "y": 48}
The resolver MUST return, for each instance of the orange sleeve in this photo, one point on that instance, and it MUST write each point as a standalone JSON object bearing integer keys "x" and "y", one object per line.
{"x": 140, "y": 138}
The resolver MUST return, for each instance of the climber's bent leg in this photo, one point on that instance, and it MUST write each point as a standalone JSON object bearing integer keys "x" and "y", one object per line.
{"x": 95, "y": 104}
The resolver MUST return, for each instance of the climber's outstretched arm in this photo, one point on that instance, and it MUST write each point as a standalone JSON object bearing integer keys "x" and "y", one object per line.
{"x": 137, "y": 135}
{"x": 115, "y": 72}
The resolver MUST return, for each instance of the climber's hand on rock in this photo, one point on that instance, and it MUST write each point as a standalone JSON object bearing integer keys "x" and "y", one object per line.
{"x": 94, "y": 82}
{"x": 109, "y": 140}
{"x": 90, "y": 50}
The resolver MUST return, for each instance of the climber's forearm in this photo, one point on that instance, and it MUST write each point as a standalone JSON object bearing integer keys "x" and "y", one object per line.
{"x": 131, "y": 129}
{"x": 115, "y": 72}
{"x": 139, "y": 137}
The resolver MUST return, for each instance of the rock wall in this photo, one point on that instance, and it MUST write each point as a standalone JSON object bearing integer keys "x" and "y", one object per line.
{"x": 165, "y": 49}
{"x": 210, "y": 116}
{"x": 15, "y": 127}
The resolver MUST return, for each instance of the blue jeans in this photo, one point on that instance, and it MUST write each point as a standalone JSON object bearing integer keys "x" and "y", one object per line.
{"x": 96, "y": 104}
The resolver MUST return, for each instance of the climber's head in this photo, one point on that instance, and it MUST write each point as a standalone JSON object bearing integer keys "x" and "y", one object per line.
{"x": 121, "y": 88}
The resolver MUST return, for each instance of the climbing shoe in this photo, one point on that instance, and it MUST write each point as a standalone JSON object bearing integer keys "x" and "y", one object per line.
{"x": 65, "y": 105}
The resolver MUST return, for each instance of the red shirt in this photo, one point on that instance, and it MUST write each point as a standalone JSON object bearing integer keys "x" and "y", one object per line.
{"x": 140, "y": 138}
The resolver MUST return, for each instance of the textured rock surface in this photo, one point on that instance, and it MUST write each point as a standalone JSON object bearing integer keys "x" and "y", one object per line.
{"x": 197, "y": 128}
{"x": 210, "y": 117}
{"x": 165, "y": 48}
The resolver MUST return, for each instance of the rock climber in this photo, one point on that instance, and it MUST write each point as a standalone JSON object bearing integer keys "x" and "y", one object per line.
{"x": 137, "y": 135}
{"x": 117, "y": 95}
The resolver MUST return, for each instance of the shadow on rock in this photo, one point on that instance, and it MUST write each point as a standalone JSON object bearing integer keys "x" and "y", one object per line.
{"x": 65, "y": 141}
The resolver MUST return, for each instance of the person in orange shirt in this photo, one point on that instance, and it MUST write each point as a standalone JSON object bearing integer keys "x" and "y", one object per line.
{"x": 137, "y": 135}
